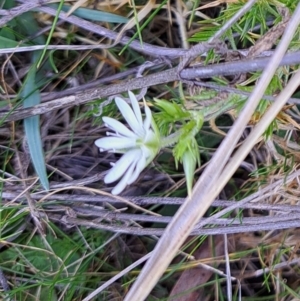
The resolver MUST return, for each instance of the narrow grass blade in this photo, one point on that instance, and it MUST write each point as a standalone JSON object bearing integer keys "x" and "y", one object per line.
{"x": 93, "y": 15}
{"x": 50, "y": 34}
{"x": 31, "y": 95}
{"x": 32, "y": 129}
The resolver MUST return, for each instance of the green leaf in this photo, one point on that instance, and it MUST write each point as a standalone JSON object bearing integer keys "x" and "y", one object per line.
{"x": 7, "y": 43}
{"x": 32, "y": 128}
{"x": 189, "y": 165}
{"x": 171, "y": 108}
{"x": 63, "y": 254}
{"x": 186, "y": 151}
{"x": 7, "y": 33}
{"x": 31, "y": 96}
{"x": 93, "y": 15}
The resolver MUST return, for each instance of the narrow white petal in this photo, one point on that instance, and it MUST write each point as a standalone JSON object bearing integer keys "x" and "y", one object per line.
{"x": 140, "y": 165}
{"x": 147, "y": 121}
{"x": 118, "y": 127}
{"x": 129, "y": 116}
{"x": 119, "y": 188}
{"x": 136, "y": 107}
{"x": 122, "y": 165}
{"x": 124, "y": 181}
{"x": 115, "y": 143}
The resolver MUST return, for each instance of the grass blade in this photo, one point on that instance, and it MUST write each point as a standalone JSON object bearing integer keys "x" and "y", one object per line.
{"x": 93, "y": 15}
{"x": 32, "y": 129}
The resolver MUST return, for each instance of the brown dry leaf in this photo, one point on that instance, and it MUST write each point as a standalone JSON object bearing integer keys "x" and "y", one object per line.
{"x": 196, "y": 276}
{"x": 287, "y": 119}
{"x": 282, "y": 117}
{"x": 267, "y": 41}
{"x": 140, "y": 16}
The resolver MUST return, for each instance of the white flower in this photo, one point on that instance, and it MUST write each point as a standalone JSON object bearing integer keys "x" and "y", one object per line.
{"x": 140, "y": 144}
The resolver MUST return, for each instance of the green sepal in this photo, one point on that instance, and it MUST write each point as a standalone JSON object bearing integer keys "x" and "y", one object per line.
{"x": 172, "y": 109}
{"x": 189, "y": 165}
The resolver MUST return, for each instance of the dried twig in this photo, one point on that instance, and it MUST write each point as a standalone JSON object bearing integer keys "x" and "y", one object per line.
{"x": 146, "y": 81}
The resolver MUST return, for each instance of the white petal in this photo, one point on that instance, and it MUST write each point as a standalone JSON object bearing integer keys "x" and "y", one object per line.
{"x": 129, "y": 116}
{"x": 136, "y": 107}
{"x": 118, "y": 127}
{"x": 141, "y": 164}
{"x": 124, "y": 181}
{"x": 148, "y": 118}
{"x": 122, "y": 165}
{"x": 110, "y": 143}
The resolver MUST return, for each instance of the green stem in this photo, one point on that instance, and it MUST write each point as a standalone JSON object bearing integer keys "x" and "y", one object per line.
{"x": 170, "y": 140}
